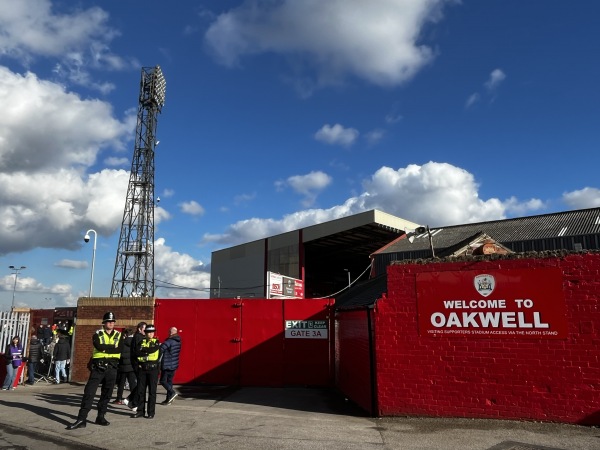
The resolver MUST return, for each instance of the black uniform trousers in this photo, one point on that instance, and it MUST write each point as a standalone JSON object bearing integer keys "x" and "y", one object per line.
{"x": 121, "y": 378}
{"x": 107, "y": 378}
{"x": 149, "y": 379}
{"x": 133, "y": 393}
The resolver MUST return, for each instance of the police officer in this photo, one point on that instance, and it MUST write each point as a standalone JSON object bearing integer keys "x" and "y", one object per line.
{"x": 105, "y": 359}
{"x": 148, "y": 352}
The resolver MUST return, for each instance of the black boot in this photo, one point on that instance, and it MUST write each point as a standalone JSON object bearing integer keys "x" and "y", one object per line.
{"x": 77, "y": 424}
{"x": 137, "y": 415}
{"x": 100, "y": 420}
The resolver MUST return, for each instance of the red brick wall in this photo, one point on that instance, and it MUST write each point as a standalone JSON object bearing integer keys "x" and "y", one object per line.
{"x": 508, "y": 378}
{"x": 128, "y": 312}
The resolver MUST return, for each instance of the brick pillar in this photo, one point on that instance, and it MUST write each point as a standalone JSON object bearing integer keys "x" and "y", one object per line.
{"x": 128, "y": 312}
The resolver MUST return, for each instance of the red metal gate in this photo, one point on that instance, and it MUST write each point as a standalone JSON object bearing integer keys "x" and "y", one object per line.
{"x": 250, "y": 342}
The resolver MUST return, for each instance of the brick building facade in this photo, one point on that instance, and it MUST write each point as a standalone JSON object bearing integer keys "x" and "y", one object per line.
{"x": 518, "y": 377}
{"x": 128, "y": 311}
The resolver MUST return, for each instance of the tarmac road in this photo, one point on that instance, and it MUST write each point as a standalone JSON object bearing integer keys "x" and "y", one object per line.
{"x": 265, "y": 418}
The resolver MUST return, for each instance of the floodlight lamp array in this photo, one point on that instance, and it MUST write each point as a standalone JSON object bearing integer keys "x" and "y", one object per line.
{"x": 159, "y": 86}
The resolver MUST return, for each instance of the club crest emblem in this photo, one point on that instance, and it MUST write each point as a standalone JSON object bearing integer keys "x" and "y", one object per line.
{"x": 484, "y": 284}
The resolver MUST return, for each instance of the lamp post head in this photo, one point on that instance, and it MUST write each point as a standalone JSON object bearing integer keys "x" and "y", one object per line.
{"x": 86, "y": 238}
{"x": 17, "y": 268}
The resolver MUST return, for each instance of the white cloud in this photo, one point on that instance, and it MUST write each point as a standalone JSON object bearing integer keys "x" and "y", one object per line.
{"x": 337, "y": 135}
{"x": 374, "y": 136}
{"x": 192, "y": 208}
{"x": 394, "y": 115}
{"x": 167, "y": 193}
{"x": 436, "y": 194}
{"x": 393, "y": 118}
{"x": 243, "y": 198}
{"x": 496, "y": 77}
{"x": 473, "y": 98}
{"x": 50, "y": 137}
{"x": 160, "y": 215}
{"x": 336, "y": 38}
{"x": 518, "y": 207}
{"x": 175, "y": 270}
{"x": 43, "y": 127}
{"x": 115, "y": 161}
{"x": 32, "y": 29}
{"x": 584, "y": 198}
{"x": 71, "y": 264}
{"x": 309, "y": 185}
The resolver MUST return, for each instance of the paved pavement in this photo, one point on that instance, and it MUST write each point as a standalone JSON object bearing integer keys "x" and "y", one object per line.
{"x": 265, "y": 418}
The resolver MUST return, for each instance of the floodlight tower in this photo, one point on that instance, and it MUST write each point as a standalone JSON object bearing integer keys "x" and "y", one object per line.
{"x": 134, "y": 266}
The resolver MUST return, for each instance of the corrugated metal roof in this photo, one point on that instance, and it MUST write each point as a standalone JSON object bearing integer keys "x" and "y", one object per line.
{"x": 362, "y": 295}
{"x": 547, "y": 226}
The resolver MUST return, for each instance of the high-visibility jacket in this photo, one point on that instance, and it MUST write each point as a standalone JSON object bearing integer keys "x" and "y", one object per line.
{"x": 147, "y": 343}
{"x": 112, "y": 340}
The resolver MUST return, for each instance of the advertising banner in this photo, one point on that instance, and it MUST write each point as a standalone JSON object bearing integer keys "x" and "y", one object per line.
{"x": 281, "y": 286}
{"x": 526, "y": 303}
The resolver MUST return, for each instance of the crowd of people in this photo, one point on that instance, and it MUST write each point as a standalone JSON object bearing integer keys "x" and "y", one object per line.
{"x": 137, "y": 358}
{"x": 49, "y": 345}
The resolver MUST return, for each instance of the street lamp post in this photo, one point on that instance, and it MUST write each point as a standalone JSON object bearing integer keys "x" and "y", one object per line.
{"x": 86, "y": 238}
{"x": 349, "y": 283}
{"x": 16, "y": 271}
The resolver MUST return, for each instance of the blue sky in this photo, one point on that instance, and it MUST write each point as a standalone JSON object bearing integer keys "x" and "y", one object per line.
{"x": 281, "y": 114}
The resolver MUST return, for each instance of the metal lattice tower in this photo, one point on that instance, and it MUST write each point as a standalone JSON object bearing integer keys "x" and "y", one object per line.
{"x": 134, "y": 266}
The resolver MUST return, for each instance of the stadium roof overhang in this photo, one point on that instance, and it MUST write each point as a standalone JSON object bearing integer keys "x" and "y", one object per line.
{"x": 345, "y": 247}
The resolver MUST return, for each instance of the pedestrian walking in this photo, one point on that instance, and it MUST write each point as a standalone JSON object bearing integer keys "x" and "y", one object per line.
{"x": 47, "y": 335}
{"x": 132, "y": 399}
{"x": 13, "y": 356}
{"x": 107, "y": 344}
{"x": 148, "y": 352}
{"x": 170, "y": 350}
{"x": 125, "y": 371}
{"x": 61, "y": 355}
{"x": 40, "y": 333}
{"x": 36, "y": 355}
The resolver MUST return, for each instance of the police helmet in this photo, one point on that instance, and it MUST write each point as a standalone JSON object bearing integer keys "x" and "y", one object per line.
{"x": 109, "y": 317}
{"x": 150, "y": 328}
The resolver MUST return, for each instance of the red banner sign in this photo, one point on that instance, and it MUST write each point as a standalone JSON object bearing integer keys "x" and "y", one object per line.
{"x": 526, "y": 303}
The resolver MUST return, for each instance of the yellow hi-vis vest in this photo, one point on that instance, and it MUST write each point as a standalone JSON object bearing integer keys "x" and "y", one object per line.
{"x": 110, "y": 340}
{"x": 151, "y": 356}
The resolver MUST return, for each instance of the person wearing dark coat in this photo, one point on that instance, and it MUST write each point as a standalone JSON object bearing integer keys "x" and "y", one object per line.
{"x": 47, "y": 335}
{"x": 36, "y": 354}
{"x": 61, "y": 355}
{"x": 132, "y": 399}
{"x": 170, "y": 350}
{"x": 125, "y": 371}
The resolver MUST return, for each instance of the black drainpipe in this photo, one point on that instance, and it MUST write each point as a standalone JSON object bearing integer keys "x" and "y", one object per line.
{"x": 372, "y": 361}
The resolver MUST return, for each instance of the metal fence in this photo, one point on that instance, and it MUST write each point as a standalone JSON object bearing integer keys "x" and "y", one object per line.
{"x": 14, "y": 323}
